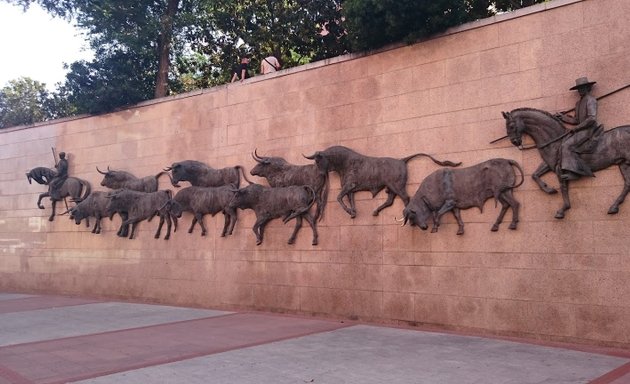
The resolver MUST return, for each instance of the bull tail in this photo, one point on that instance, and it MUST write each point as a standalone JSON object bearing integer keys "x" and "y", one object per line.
{"x": 169, "y": 177}
{"x": 303, "y": 211}
{"x": 242, "y": 172}
{"x": 322, "y": 199}
{"x": 446, "y": 163}
{"x": 517, "y": 166}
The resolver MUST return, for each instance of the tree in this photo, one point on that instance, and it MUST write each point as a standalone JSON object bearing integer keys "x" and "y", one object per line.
{"x": 23, "y": 101}
{"x": 374, "y": 23}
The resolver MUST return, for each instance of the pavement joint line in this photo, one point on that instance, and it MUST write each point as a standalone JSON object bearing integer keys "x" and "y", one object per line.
{"x": 610, "y": 377}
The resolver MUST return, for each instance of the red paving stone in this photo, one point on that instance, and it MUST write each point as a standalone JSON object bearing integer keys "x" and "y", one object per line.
{"x": 83, "y": 357}
{"x": 620, "y": 375}
{"x": 40, "y": 302}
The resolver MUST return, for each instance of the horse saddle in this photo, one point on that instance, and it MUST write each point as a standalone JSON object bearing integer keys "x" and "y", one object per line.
{"x": 588, "y": 144}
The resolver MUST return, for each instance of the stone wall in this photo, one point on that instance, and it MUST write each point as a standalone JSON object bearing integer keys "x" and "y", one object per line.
{"x": 550, "y": 279}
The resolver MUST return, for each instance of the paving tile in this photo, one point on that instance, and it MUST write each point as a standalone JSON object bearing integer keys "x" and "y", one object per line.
{"x": 54, "y": 323}
{"x": 74, "y": 358}
{"x": 375, "y": 355}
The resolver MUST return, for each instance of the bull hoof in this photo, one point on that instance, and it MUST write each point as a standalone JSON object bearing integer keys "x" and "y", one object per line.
{"x": 51, "y": 218}
{"x": 551, "y": 191}
{"x": 314, "y": 242}
{"x": 223, "y": 235}
{"x": 258, "y": 242}
{"x": 559, "y": 215}
{"x": 434, "y": 230}
{"x": 512, "y": 226}
{"x": 495, "y": 228}
{"x": 613, "y": 210}
{"x": 156, "y": 236}
{"x": 353, "y": 215}
{"x": 375, "y": 213}
{"x": 460, "y": 231}
{"x": 190, "y": 231}
{"x": 291, "y": 241}
{"x": 167, "y": 237}
{"x": 40, "y": 206}
{"x": 203, "y": 233}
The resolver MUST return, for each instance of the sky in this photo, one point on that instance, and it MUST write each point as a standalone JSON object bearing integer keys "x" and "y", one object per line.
{"x": 36, "y": 45}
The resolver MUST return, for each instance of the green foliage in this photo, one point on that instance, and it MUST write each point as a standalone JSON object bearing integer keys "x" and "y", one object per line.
{"x": 374, "y": 23}
{"x": 23, "y": 101}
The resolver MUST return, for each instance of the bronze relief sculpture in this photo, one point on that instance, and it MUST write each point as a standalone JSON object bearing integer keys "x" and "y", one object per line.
{"x": 60, "y": 185}
{"x": 575, "y": 153}
{"x": 453, "y": 189}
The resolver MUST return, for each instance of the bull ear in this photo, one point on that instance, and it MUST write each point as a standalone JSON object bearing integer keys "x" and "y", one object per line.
{"x": 506, "y": 115}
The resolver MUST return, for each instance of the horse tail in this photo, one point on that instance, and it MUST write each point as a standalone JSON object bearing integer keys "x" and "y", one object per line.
{"x": 87, "y": 190}
{"x": 446, "y": 163}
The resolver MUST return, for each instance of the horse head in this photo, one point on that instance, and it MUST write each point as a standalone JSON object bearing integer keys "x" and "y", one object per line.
{"x": 514, "y": 127}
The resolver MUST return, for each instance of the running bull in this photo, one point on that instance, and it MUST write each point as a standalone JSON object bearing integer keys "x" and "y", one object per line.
{"x": 280, "y": 173}
{"x": 271, "y": 203}
{"x": 454, "y": 189}
{"x": 142, "y": 206}
{"x": 125, "y": 180}
{"x": 366, "y": 173}
{"x": 205, "y": 200}
{"x": 201, "y": 175}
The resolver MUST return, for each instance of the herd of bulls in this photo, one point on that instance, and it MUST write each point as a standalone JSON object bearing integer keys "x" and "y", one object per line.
{"x": 297, "y": 192}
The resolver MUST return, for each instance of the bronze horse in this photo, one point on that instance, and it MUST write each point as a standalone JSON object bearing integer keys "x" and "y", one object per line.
{"x": 612, "y": 147}
{"x": 72, "y": 187}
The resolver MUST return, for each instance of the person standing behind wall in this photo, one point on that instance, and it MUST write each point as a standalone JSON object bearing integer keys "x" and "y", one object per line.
{"x": 269, "y": 64}
{"x": 240, "y": 71}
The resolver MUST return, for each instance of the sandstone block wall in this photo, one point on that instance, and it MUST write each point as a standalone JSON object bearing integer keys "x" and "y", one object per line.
{"x": 556, "y": 280}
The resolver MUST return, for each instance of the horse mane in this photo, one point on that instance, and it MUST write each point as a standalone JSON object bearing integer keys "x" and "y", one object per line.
{"x": 528, "y": 109}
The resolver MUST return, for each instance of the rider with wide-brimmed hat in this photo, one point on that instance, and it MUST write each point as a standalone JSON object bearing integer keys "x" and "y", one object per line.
{"x": 587, "y": 128}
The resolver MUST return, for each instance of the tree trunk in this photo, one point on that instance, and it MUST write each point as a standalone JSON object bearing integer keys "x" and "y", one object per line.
{"x": 164, "y": 48}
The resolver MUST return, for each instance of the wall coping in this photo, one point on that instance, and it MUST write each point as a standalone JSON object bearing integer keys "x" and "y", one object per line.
{"x": 496, "y": 19}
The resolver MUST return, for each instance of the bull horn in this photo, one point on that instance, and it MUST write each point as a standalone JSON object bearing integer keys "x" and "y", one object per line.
{"x": 401, "y": 220}
{"x": 311, "y": 157}
{"x": 168, "y": 169}
{"x": 108, "y": 170}
{"x": 63, "y": 213}
{"x": 101, "y": 172}
{"x": 256, "y": 157}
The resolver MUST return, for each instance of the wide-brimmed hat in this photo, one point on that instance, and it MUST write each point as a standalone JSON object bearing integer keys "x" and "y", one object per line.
{"x": 582, "y": 82}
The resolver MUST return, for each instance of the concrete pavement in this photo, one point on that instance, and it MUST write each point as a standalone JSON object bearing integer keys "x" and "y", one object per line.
{"x": 53, "y": 339}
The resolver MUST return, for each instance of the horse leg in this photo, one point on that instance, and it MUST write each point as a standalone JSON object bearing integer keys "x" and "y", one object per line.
{"x": 39, "y": 201}
{"x": 625, "y": 172}
{"x": 52, "y": 215}
{"x": 298, "y": 225}
{"x": 541, "y": 170}
{"x": 566, "y": 203}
